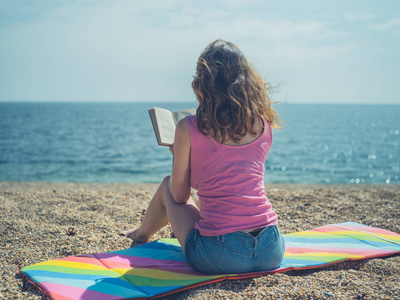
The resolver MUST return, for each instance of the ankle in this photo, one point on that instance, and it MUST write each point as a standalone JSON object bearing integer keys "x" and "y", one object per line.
{"x": 140, "y": 237}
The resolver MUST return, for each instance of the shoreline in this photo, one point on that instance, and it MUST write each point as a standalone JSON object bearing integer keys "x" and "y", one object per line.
{"x": 115, "y": 186}
{"x": 37, "y": 215}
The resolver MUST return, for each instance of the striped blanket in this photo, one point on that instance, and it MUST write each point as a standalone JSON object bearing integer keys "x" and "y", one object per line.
{"x": 159, "y": 268}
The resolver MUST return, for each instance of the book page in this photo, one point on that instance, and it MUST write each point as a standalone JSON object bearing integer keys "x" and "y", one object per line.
{"x": 165, "y": 125}
{"x": 178, "y": 115}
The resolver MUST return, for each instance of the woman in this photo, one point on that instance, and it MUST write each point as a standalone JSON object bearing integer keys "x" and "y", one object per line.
{"x": 221, "y": 153}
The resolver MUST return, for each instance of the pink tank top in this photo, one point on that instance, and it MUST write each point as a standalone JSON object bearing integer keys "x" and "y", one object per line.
{"x": 230, "y": 183}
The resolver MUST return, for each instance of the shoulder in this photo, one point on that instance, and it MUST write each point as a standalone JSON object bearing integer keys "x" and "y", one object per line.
{"x": 267, "y": 129}
{"x": 190, "y": 119}
{"x": 182, "y": 125}
{"x": 187, "y": 124}
{"x": 182, "y": 129}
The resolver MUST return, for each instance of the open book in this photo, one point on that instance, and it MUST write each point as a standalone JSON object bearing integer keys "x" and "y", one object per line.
{"x": 164, "y": 123}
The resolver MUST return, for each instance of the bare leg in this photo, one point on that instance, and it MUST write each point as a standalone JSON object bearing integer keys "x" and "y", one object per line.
{"x": 154, "y": 219}
{"x": 163, "y": 208}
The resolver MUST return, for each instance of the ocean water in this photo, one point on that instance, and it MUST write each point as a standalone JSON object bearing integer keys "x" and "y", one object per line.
{"x": 115, "y": 142}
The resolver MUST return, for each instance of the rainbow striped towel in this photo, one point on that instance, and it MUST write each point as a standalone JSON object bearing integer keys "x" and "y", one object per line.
{"x": 159, "y": 268}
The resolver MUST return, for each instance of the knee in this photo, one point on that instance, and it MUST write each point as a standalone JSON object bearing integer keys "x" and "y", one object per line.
{"x": 166, "y": 180}
{"x": 165, "y": 183}
{"x": 165, "y": 191}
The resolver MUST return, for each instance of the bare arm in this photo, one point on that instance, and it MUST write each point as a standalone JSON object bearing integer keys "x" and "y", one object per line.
{"x": 179, "y": 183}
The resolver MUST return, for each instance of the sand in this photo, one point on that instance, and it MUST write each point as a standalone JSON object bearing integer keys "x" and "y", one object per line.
{"x": 36, "y": 217}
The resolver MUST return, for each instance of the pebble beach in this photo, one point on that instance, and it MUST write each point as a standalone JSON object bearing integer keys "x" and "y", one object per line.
{"x": 43, "y": 221}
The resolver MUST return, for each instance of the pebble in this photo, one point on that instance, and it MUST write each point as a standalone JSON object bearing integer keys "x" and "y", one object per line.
{"x": 42, "y": 236}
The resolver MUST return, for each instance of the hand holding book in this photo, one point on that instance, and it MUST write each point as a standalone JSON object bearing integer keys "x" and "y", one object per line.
{"x": 164, "y": 123}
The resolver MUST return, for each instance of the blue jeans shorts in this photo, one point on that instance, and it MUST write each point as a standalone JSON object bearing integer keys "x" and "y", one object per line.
{"x": 237, "y": 252}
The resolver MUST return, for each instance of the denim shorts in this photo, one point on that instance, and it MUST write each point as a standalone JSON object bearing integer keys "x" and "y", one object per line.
{"x": 237, "y": 252}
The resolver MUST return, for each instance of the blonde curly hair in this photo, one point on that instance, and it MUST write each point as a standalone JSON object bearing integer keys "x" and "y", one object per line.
{"x": 231, "y": 94}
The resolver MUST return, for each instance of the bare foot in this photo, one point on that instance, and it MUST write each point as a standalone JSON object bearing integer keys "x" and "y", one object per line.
{"x": 134, "y": 235}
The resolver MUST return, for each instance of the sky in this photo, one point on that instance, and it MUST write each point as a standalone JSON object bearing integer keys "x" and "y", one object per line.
{"x": 312, "y": 51}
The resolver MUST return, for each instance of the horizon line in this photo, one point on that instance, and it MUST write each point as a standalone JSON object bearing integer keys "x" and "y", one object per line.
{"x": 179, "y": 102}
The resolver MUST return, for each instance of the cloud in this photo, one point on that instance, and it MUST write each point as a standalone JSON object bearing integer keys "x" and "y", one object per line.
{"x": 366, "y": 16}
{"x": 392, "y": 26}
{"x": 302, "y": 52}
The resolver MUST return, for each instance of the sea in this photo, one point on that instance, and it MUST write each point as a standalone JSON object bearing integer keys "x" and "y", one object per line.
{"x": 115, "y": 142}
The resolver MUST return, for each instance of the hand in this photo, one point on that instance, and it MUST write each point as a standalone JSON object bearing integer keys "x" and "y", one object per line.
{"x": 171, "y": 148}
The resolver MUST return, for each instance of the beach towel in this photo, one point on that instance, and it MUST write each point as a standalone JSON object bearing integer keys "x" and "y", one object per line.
{"x": 159, "y": 268}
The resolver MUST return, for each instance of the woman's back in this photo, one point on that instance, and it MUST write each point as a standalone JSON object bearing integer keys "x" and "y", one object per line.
{"x": 230, "y": 182}
{"x": 248, "y": 138}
